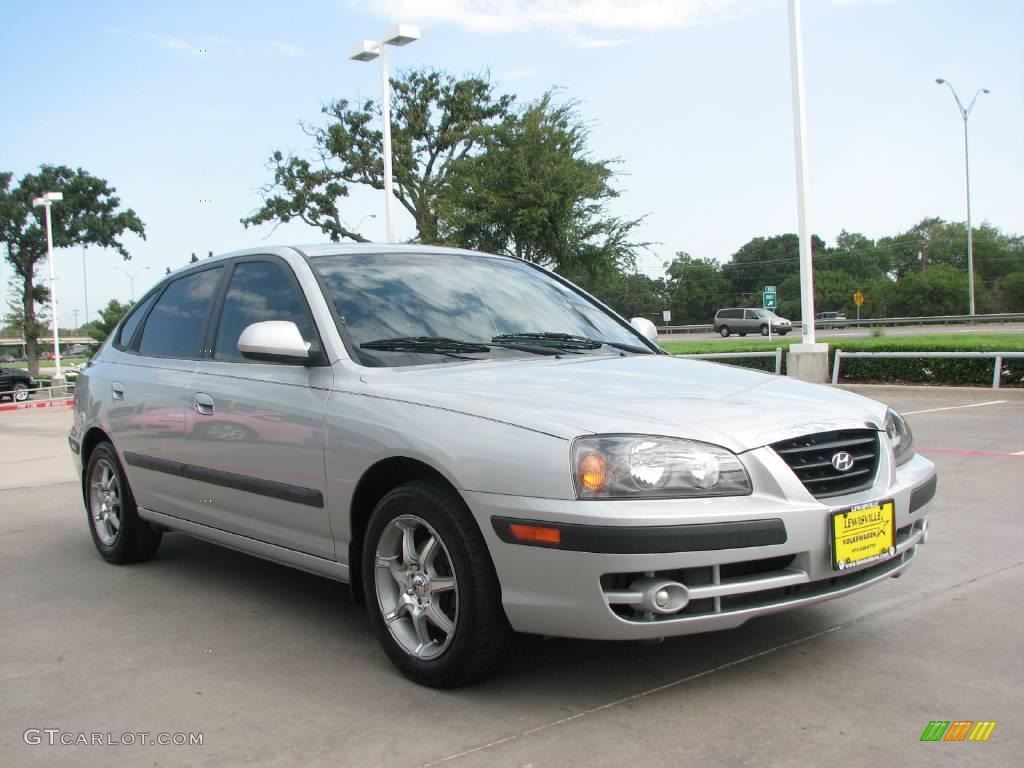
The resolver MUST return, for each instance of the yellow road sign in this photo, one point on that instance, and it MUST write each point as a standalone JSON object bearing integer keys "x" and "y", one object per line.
{"x": 858, "y": 298}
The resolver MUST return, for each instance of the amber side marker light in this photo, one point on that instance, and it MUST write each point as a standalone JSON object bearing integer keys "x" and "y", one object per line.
{"x": 536, "y": 533}
{"x": 593, "y": 472}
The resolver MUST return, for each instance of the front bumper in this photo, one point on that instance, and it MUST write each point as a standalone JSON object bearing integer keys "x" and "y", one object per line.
{"x": 572, "y": 592}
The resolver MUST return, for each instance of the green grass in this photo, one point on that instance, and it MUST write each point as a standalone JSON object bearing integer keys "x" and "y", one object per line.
{"x": 936, "y": 342}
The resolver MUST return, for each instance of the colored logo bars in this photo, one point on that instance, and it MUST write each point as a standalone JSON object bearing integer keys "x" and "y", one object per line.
{"x": 958, "y": 730}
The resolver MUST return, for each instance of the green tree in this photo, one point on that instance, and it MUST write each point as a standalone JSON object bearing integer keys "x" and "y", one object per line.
{"x": 1012, "y": 289}
{"x": 766, "y": 261}
{"x": 535, "y": 193}
{"x": 88, "y": 215}
{"x": 697, "y": 288}
{"x": 437, "y": 122}
{"x": 940, "y": 290}
{"x": 110, "y": 316}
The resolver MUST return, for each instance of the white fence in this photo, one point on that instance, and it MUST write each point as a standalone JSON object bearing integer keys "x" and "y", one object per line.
{"x": 997, "y": 357}
{"x": 1009, "y": 317}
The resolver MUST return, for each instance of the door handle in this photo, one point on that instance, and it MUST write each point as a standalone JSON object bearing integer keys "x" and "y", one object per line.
{"x": 117, "y": 390}
{"x": 203, "y": 404}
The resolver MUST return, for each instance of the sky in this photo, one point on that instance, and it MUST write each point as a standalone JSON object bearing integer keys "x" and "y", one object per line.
{"x": 691, "y": 97}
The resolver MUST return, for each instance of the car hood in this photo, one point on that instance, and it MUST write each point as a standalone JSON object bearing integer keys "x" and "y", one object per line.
{"x": 730, "y": 406}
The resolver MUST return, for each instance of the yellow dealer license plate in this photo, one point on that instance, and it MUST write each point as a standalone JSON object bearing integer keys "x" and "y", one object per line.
{"x": 863, "y": 534}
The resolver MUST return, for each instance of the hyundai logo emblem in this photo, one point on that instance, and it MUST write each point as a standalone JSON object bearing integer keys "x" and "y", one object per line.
{"x": 842, "y": 461}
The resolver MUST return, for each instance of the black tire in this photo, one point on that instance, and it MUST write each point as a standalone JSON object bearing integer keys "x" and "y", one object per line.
{"x": 135, "y": 540}
{"x": 764, "y": 330}
{"x": 19, "y": 392}
{"x": 724, "y": 331}
{"x": 481, "y": 639}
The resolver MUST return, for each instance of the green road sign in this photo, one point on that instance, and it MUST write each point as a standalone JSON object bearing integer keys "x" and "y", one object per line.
{"x": 768, "y": 298}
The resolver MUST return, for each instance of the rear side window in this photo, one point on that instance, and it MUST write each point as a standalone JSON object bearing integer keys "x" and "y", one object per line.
{"x": 175, "y": 326}
{"x": 259, "y": 291}
{"x": 131, "y": 323}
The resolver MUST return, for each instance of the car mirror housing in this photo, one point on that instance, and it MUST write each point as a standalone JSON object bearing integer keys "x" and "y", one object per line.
{"x": 274, "y": 341}
{"x": 646, "y": 328}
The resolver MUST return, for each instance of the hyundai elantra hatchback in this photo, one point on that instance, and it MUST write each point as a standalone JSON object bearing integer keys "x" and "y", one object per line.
{"x": 480, "y": 448}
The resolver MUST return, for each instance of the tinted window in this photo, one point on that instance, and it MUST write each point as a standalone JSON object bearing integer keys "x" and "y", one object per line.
{"x": 260, "y": 290}
{"x": 131, "y": 322}
{"x": 175, "y": 326}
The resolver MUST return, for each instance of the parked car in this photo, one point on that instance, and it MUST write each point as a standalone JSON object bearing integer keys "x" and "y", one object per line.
{"x": 743, "y": 321}
{"x": 15, "y": 383}
{"x": 480, "y": 448}
{"x": 831, "y": 320}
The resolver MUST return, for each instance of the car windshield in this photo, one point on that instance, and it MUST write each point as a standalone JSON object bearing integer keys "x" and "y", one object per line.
{"x": 414, "y": 308}
{"x": 764, "y": 313}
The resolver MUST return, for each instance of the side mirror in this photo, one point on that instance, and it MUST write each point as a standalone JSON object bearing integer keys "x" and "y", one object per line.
{"x": 646, "y": 327}
{"x": 276, "y": 341}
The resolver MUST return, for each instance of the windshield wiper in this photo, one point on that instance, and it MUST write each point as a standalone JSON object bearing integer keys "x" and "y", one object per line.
{"x": 568, "y": 341}
{"x": 442, "y": 345}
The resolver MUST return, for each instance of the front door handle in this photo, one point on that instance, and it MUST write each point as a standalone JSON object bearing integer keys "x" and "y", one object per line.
{"x": 117, "y": 390}
{"x": 203, "y": 404}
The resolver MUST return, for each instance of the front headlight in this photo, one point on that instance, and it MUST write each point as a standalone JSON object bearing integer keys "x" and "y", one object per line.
{"x": 902, "y": 439}
{"x": 616, "y": 466}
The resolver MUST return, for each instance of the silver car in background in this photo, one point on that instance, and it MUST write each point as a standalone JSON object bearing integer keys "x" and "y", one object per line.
{"x": 480, "y": 448}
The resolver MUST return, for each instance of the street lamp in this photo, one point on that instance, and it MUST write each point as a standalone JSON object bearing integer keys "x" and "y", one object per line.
{"x": 131, "y": 277}
{"x": 368, "y": 50}
{"x": 48, "y": 199}
{"x": 965, "y": 112}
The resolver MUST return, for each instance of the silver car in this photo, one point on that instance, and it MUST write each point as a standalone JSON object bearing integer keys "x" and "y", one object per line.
{"x": 480, "y": 448}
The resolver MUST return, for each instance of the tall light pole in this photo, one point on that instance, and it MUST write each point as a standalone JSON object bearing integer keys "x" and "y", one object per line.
{"x": 48, "y": 199}
{"x": 796, "y": 66}
{"x": 85, "y": 285}
{"x": 965, "y": 112}
{"x": 131, "y": 278}
{"x": 368, "y": 50}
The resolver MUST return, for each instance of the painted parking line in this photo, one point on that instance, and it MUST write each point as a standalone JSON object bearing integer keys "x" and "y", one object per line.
{"x": 963, "y": 452}
{"x": 953, "y": 407}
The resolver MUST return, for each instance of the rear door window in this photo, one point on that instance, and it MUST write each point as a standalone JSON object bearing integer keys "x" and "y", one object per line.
{"x": 177, "y": 323}
{"x": 131, "y": 323}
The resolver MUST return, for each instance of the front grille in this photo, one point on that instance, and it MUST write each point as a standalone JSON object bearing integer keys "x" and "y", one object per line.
{"x": 810, "y": 457}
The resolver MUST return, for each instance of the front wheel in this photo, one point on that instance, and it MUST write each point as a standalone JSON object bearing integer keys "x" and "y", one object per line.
{"x": 19, "y": 392}
{"x": 724, "y": 331}
{"x": 764, "y": 330}
{"x": 432, "y": 592}
{"x": 118, "y": 532}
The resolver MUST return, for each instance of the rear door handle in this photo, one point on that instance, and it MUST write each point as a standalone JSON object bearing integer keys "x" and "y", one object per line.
{"x": 203, "y": 404}
{"x": 117, "y": 390}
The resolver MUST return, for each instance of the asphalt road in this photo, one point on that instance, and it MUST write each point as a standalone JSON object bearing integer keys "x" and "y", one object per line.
{"x": 860, "y": 333}
{"x": 276, "y": 667}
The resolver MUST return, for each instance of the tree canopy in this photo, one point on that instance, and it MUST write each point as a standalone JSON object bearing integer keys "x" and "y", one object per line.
{"x": 89, "y": 214}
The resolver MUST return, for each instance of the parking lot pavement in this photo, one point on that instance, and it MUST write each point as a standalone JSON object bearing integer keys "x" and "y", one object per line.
{"x": 277, "y": 667}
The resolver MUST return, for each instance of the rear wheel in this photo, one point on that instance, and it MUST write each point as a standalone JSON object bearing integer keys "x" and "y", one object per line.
{"x": 764, "y": 330}
{"x": 118, "y": 532}
{"x": 724, "y": 331}
{"x": 432, "y": 592}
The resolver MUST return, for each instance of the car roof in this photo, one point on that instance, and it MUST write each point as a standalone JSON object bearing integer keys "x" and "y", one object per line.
{"x": 319, "y": 250}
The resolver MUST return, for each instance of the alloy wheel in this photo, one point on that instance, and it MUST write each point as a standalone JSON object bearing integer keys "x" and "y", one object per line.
{"x": 417, "y": 592}
{"x": 105, "y": 502}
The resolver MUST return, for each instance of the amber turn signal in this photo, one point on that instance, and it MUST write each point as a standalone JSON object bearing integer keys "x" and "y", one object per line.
{"x": 593, "y": 472}
{"x": 536, "y": 533}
